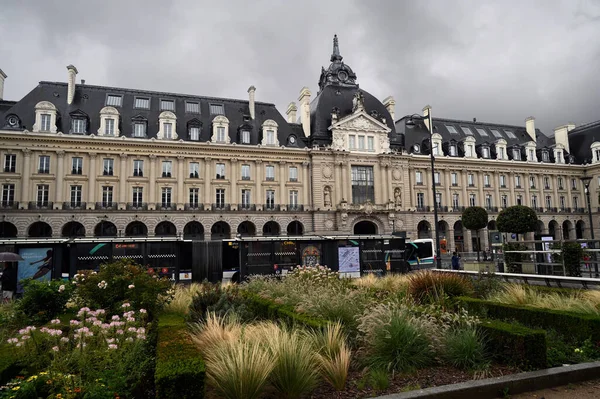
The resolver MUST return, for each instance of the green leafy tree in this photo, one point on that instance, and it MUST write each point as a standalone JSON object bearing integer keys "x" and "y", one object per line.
{"x": 517, "y": 219}
{"x": 571, "y": 254}
{"x": 475, "y": 218}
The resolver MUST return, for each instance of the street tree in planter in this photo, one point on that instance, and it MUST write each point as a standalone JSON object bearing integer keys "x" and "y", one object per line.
{"x": 516, "y": 219}
{"x": 475, "y": 218}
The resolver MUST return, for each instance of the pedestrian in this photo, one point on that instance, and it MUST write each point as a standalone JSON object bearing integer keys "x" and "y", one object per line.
{"x": 485, "y": 255}
{"x": 9, "y": 282}
{"x": 455, "y": 261}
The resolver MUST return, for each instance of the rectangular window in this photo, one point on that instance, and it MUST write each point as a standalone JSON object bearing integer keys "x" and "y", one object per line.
{"x": 518, "y": 181}
{"x": 467, "y": 130}
{"x": 419, "y": 177}
{"x": 560, "y": 183}
{"x": 194, "y": 133}
{"x": 246, "y": 199}
{"x": 78, "y": 126}
{"x": 220, "y": 134}
{"x": 548, "y": 202}
{"x": 420, "y": 200}
{"x": 167, "y": 105}
{"x": 472, "y": 199}
{"x": 530, "y": 155}
{"x": 436, "y": 150}
{"x": 8, "y": 194}
{"x": 504, "y": 201}
{"x": 270, "y": 172}
{"x": 114, "y": 100}
{"x": 363, "y": 184}
{"x": 453, "y": 150}
{"x": 510, "y": 134}
{"x": 576, "y": 202}
{"x": 109, "y": 127}
{"x": 531, "y": 182}
{"x": 469, "y": 151}
{"x": 371, "y": 143}
{"x": 43, "y": 191}
{"x": 245, "y": 172}
{"x": 502, "y": 181}
{"x": 45, "y": 120}
{"x": 107, "y": 196}
{"x": 559, "y": 157}
{"x": 436, "y": 177}
{"x": 471, "y": 180}
{"x": 562, "y": 203}
{"x": 138, "y": 196}
{"x": 488, "y": 201}
{"x": 574, "y": 184}
{"x": 139, "y": 129}
{"x": 76, "y": 165}
{"x": 168, "y": 130}
{"x": 220, "y": 198}
{"x": 500, "y": 152}
{"x": 194, "y": 170}
{"x": 516, "y": 154}
{"x": 245, "y": 137}
{"x": 167, "y": 169}
{"x": 75, "y": 196}
{"x": 361, "y": 143}
{"x": 142, "y": 103}
{"x": 482, "y": 132}
{"x": 216, "y": 109}
{"x": 108, "y": 166}
{"x": 496, "y": 133}
{"x": 293, "y": 173}
{"x": 220, "y": 171}
{"x": 352, "y": 142}
{"x": 10, "y": 163}
{"x": 486, "y": 180}
{"x": 194, "y": 199}
{"x": 192, "y": 107}
{"x": 454, "y": 177}
{"x": 534, "y": 203}
{"x": 293, "y": 199}
{"x": 166, "y": 197}
{"x": 455, "y": 201}
{"x": 138, "y": 168}
{"x": 438, "y": 199}
{"x": 270, "y": 137}
{"x": 270, "y": 204}
{"x": 519, "y": 200}
{"x": 545, "y": 156}
{"x": 451, "y": 129}
{"x": 546, "y": 182}
{"x": 44, "y": 166}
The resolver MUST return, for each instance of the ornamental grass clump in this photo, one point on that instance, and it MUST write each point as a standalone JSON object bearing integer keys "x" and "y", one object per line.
{"x": 214, "y": 331}
{"x": 333, "y": 354}
{"x": 182, "y": 298}
{"x": 464, "y": 348}
{"x": 426, "y": 285}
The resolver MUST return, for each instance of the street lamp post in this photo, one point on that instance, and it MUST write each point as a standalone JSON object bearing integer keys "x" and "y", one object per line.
{"x": 410, "y": 122}
{"x": 586, "y": 182}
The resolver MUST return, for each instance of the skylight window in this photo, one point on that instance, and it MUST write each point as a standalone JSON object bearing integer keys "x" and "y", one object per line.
{"x": 510, "y": 134}
{"x": 482, "y": 132}
{"x": 142, "y": 103}
{"x": 114, "y": 100}
{"x": 496, "y": 133}
{"x": 217, "y": 109}
{"x": 467, "y": 130}
{"x": 451, "y": 129}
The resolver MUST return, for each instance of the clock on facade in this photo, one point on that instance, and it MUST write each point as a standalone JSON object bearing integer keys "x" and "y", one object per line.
{"x": 342, "y": 76}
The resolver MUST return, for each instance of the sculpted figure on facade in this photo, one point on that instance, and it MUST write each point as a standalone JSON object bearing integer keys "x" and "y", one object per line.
{"x": 327, "y": 196}
{"x": 398, "y": 197}
{"x": 358, "y": 102}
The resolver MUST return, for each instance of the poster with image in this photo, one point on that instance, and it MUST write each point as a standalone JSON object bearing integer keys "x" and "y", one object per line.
{"x": 349, "y": 259}
{"x": 37, "y": 264}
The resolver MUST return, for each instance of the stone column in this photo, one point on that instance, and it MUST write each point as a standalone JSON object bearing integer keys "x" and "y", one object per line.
{"x": 465, "y": 183}
{"x": 450, "y": 239}
{"x": 429, "y": 200}
{"x": 233, "y": 196}
{"x": 447, "y": 183}
{"x": 496, "y": 182}
{"x": 258, "y": 195}
{"x": 511, "y": 185}
{"x": 305, "y": 185}
{"x": 152, "y": 196}
{"x": 180, "y": 182}
{"x": 409, "y": 197}
{"x": 379, "y": 192}
{"x": 556, "y": 198}
{"x": 338, "y": 190}
{"x": 282, "y": 194}
{"x": 25, "y": 189}
{"x": 346, "y": 174}
{"x": 388, "y": 184}
{"x": 207, "y": 180}
{"x": 91, "y": 200}
{"x": 123, "y": 182}
{"x": 481, "y": 195}
{"x": 60, "y": 176}
{"x": 527, "y": 200}
{"x": 569, "y": 193}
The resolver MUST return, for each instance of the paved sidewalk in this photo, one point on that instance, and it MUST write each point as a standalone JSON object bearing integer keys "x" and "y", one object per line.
{"x": 579, "y": 390}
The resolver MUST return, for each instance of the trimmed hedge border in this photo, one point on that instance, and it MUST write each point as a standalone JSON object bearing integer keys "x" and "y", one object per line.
{"x": 269, "y": 309}
{"x": 516, "y": 345}
{"x": 570, "y": 324}
{"x": 180, "y": 371}
{"x": 9, "y": 367}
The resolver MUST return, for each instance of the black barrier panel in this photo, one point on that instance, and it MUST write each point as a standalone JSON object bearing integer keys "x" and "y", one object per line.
{"x": 162, "y": 257}
{"x": 286, "y": 254}
{"x": 89, "y": 256}
{"x": 129, "y": 250}
{"x": 372, "y": 257}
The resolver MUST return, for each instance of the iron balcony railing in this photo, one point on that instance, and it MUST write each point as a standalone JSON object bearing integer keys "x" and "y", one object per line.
{"x": 246, "y": 207}
{"x": 192, "y": 206}
{"x": 106, "y": 205}
{"x": 272, "y": 207}
{"x": 295, "y": 207}
{"x": 40, "y": 205}
{"x": 137, "y": 206}
{"x": 166, "y": 206}
{"x": 221, "y": 207}
{"x": 9, "y": 205}
{"x": 423, "y": 208}
{"x": 72, "y": 205}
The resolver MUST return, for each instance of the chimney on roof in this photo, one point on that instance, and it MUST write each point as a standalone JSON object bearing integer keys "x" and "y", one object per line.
{"x": 2, "y": 77}
{"x": 427, "y": 112}
{"x": 305, "y": 110}
{"x": 251, "y": 92}
{"x": 561, "y": 135}
{"x": 390, "y": 104}
{"x": 530, "y": 127}
{"x": 474, "y": 120}
{"x": 71, "y": 74}
{"x": 82, "y": 81}
{"x": 291, "y": 112}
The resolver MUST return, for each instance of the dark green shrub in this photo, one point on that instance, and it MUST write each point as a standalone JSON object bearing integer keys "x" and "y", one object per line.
{"x": 425, "y": 285}
{"x": 219, "y": 300}
{"x": 465, "y": 348}
{"x": 43, "y": 300}
{"x": 485, "y": 284}
{"x": 517, "y": 219}
{"x": 475, "y": 218}
{"x": 513, "y": 261}
{"x": 571, "y": 254}
{"x": 180, "y": 370}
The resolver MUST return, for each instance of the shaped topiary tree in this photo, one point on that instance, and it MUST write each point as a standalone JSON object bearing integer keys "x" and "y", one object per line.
{"x": 517, "y": 219}
{"x": 475, "y": 218}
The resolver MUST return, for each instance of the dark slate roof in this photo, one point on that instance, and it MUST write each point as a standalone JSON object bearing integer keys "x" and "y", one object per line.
{"x": 91, "y": 99}
{"x": 5, "y": 105}
{"x": 334, "y": 96}
{"x": 581, "y": 139}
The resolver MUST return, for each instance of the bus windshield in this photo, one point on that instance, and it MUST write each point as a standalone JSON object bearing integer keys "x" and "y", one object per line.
{"x": 420, "y": 252}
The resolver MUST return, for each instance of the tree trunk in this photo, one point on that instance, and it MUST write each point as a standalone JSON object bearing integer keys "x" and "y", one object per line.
{"x": 478, "y": 245}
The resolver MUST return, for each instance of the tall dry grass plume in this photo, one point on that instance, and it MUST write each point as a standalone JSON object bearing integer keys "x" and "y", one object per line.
{"x": 180, "y": 304}
{"x": 333, "y": 354}
{"x": 215, "y": 331}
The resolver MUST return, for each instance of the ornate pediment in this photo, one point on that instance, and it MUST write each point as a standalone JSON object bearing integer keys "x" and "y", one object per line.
{"x": 361, "y": 122}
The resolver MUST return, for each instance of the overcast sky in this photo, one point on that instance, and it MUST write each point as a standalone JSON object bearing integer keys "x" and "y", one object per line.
{"x": 499, "y": 61}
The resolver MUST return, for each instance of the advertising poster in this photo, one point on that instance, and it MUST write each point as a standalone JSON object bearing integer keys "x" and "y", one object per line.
{"x": 547, "y": 247}
{"x": 349, "y": 259}
{"x": 37, "y": 264}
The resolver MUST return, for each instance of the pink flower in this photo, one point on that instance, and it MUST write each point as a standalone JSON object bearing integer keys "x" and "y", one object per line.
{"x": 126, "y": 305}
{"x": 143, "y": 311}
{"x": 112, "y": 346}
{"x": 131, "y": 286}
{"x": 116, "y": 317}
{"x": 55, "y": 348}
{"x": 120, "y": 332}
{"x": 141, "y": 330}
{"x": 130, "y": 319}
{"x": 55, "y": 321}
{"x": 75, "y": 322}
{"x": 129, "y": 339}
{"x": 141, "y": 336}
{"x": 132, "y": 329}
{"x": 64, "y": 339}
{"x": 110, "y": 340}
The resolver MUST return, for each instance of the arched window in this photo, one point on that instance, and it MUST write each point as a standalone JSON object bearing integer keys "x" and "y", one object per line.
{"x": 109, "y": 122}
{"x": 167, "y": 126}
{"x": 220, "y": 130}
{"x": 45, "y": 117}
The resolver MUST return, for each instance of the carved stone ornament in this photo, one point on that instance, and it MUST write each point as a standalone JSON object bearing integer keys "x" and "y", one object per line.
{"x": 368, "y": 208}
{"x": 344, "y": 217}
{"x": 358, "y": 102}
{"x": 396, "y": 174}
{"x": 398, "y": 197}
{"x": 338, "y": 142}
{"x": 399, "y": 224}
{"x": 327, "y": 196}
{"x": 329, "y": 224}
{"x": 327, "y": 172}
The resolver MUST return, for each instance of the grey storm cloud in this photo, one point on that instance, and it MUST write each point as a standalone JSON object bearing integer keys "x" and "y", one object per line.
{"x": 498, "y": 61}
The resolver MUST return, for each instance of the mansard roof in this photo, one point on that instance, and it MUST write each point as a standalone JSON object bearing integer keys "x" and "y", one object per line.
{"x": 581, "y": 139}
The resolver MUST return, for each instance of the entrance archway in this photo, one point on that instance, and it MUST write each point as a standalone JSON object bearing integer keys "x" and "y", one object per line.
{"x": 579, "y": 229}
{"x": 105, "y": 229}
{"x": 365, "y": 228}
{"x": 165, "y": 228}
{"x": 459, "y": 237}
{"x": 424, "y": 229}
{"x": 443, "y": 233}
{"x": 567, "y": 226}
{"x": 539, "y": 228}
{"x": 553, "y": 228}
{"x": 295, "y": 228}
{"x": 220, "y": 231}
{"x": 193, "y": 229}
{"x": 271, "y": 228}
{"x": 73, "y": 229}
{"x": 136, "y": 229}
{"x": 246, "y": 229}
{"x": 8, "y": 230}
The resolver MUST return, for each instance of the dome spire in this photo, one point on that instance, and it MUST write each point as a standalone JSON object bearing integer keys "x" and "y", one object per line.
{"x": 335, "y": 55}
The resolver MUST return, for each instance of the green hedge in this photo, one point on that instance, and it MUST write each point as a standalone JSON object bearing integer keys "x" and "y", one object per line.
{"x": 269, "y": 309}
{"x": 180, "y": 371}
{"x": 516, "y": 345}
{"x": 569, "y": 324}
{"x": 9, "y": 367}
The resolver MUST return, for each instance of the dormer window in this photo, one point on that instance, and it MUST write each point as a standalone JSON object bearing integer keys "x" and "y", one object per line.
{"x": 531, "y": 157}
{"x": 45, "y": 117}
{"x": 194, "y": 133}
{"x": 545, "y": 156}
{"x": 510, "y": 134}
{"x": 467, "y": 130}
{"x": 559, "y": 158}
{"x": 245, "y": 137}
{"x": 109, "y": 127}
{"x": 453, "y": 151}
{"x": 139, "y": 126}
{"x": 270, "y": 137}
{"x": 114, "y": 100}
{"x": 109, "y": 122}
{"x": 220, "y": 130}
{"x": 46, "y": 120}
{"x": 220, "y": 134}
{"x": 597, "y": 153}
{"x": 269, "y": 128}
{"x": 78, "y": 126}
{"x": 451, "y": 129}
{"x": 485, "y": 152}
{"x": 168, "y": 130}
{"x": 595, "y": 147}
{"x": 142, "y": 103}
{"x": 416, "y": 149}
{"x": 167, "y": 124}
{"x": 482, "y": 132}
{"x": 496, "y": 133}
{"x": 516, "y": 152}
